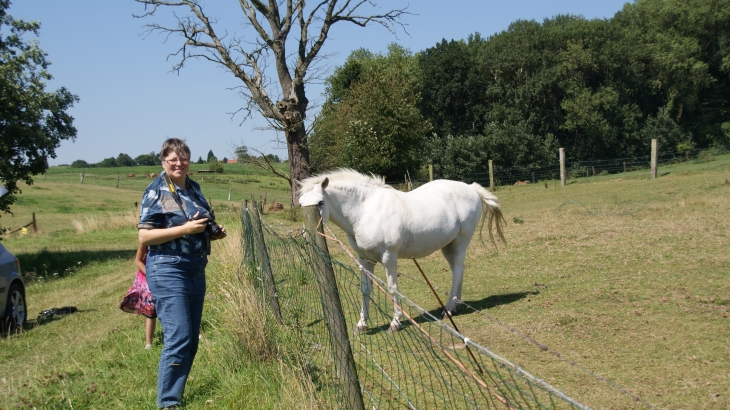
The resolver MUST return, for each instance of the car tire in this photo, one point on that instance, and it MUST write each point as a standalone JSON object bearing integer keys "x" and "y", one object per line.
{"x": 16, "y": 311}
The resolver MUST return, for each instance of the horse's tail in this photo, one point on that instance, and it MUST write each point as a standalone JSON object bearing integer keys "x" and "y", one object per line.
{"x": 490, "y": 213}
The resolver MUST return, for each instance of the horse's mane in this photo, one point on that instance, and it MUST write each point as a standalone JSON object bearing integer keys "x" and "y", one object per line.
{"x": 342, "y": 174}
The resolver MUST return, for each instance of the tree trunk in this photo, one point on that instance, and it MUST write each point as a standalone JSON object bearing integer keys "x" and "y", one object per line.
{"x": 296, "y": 142}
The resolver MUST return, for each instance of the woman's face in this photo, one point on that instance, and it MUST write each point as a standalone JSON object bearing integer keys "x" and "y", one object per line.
{"x": 176, "y": 165}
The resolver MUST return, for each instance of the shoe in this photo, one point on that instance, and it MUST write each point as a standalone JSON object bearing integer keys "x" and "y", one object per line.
{"x": 147, "y": 347}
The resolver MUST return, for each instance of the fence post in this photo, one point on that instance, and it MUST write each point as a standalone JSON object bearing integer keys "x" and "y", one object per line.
{"x": 654, "y": 155}
{"x": 430, "y": 172}
{"x": 491, "y": 175}
{"x": 229, "y": 194}
{"x": 332, "y": 307}
{"x": 117, "y": 181}
{"x": 82, "y": 177}
{"x": 624, "y": 166}
{"x": 35, "y": 227}
{"x": 263, "y": 257}
{"x": 562, "y": 166}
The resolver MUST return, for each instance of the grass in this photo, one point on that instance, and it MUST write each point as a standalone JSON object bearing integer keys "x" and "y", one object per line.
{"x": 621, "y": 275}
{"x": 625, "y": 276}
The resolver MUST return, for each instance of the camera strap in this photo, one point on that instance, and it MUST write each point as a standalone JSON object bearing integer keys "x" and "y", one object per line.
{"x": 175, "y": 195}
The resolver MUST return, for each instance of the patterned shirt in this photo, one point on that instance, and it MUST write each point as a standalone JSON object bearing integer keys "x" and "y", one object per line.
{"x": 159, "y": 211}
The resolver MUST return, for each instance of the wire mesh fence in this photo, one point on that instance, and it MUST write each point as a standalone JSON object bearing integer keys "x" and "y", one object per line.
{"x": 504, "y": 176}
{"x": 425, "y": 365}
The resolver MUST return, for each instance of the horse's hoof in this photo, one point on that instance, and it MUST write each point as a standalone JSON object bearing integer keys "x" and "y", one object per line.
{"x": 361, "y": 329}
{"x": 446, "y": 314}
{"x": 393, "y": 328}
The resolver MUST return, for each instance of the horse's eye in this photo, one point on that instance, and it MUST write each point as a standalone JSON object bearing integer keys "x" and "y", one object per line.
{"x": 320, "y": 203}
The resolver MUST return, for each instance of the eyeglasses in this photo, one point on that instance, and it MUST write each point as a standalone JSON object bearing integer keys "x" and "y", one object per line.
{"x": 174, "y": 161}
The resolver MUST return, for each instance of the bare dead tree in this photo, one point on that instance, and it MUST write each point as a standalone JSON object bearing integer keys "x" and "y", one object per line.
{"x": 248, "y": 56}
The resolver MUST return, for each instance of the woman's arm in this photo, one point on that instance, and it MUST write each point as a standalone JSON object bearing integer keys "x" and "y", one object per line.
{"x": 157, "y": 236}
{"x": 138, "y": 259}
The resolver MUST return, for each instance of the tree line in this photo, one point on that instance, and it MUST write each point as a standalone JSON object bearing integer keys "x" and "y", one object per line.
{"x": 602, "y": 88}
{"x": 151, "y": 159}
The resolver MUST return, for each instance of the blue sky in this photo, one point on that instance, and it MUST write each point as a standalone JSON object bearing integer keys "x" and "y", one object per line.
{"x": 130, "y": 101}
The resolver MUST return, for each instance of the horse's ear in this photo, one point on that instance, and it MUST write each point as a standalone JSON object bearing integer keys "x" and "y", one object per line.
{"x": 325, "y": 183}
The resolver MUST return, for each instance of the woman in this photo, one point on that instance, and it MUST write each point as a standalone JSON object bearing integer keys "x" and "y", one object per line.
{"x": 177, "y": 224}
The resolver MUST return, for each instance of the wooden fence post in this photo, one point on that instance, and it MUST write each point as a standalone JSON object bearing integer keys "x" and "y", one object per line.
{"x": 82, "y": 177}
{"x": 263, "y": 258}
{"x": 35, "y": 226}
{"x": 654, "y": 157}
{"x": 117, "y": 181}
{"x": 332, "y": 307}
{"x": 430, "y": 172}
{"x": 624, "y": 166}
{"x": 562, "y": 166}
{"x": 491, "y": 175}
{"x": 229, "y": 194}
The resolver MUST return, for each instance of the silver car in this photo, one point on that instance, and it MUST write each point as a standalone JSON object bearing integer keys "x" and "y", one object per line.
{"x": 13, "y": 308}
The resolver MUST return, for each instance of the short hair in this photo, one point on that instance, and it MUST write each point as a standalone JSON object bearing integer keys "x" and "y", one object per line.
{"x": 175, "y": 145}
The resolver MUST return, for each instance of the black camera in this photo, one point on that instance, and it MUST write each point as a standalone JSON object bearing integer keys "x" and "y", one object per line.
{"x": 211, "y": 228}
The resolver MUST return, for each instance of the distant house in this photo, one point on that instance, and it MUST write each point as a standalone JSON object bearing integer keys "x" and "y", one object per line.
{"x": 232, "y": 161}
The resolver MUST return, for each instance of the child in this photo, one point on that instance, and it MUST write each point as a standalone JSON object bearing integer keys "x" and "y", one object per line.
{"x": 139, "y": 299}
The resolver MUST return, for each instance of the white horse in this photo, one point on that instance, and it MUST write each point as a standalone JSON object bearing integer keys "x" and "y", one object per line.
{"x": 383, "y": 224}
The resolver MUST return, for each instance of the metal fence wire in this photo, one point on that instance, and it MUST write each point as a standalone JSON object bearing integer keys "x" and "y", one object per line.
{"x": 426, "y": 365}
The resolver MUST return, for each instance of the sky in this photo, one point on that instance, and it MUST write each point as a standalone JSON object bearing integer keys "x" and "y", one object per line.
{"x": 131, "y": 100}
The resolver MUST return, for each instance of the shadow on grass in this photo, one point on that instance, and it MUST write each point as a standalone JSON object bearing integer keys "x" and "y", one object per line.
{"x": 57, "y": 264}
{"x": 43, "y": 318}
{"x": 474, "y": 306}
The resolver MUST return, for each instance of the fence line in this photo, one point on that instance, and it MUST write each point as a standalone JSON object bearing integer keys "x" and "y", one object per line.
{"x": 425, "y": 365}
{"x": 503, "y": 176}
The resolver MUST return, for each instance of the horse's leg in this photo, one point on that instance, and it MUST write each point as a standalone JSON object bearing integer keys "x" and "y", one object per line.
{"x": 455, "y": 254}
{"x": 390, "y": 263}
{"x": 367, "y": 287}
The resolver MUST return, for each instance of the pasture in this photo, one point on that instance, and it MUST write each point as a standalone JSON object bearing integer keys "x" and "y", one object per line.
{"x": 620, "y": 275}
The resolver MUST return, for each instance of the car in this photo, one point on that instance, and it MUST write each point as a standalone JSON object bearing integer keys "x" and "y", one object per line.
{"x": 13, "y": 306}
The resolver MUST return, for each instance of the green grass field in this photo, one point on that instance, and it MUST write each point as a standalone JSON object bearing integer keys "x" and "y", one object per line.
{"x": 621, "y": 275}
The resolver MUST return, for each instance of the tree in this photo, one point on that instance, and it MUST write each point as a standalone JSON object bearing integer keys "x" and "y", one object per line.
{"x": 79, "y": 163}
{"x": 33, "y": 122}
{"x": 110, "y": 162}
{"x": 124, "y": 160}
{"x": 371, "y": 120}
{"x": 150, "y": 159}
{"x": 211, "y": 156}
{"x": 225, "y": 160}
{"x": 246, "y": 54}
{"x": 241, "y": 153}
{"x": 200, "y": 161}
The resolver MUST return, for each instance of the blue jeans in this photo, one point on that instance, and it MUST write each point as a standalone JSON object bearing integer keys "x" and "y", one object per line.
{"x": 177, "y": 283}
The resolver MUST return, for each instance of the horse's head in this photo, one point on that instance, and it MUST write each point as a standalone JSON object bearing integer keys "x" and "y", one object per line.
{"x": 316, "y": 197}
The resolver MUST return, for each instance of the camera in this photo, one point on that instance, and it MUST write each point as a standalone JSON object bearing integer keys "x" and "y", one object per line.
{"x": 211, "y": 228}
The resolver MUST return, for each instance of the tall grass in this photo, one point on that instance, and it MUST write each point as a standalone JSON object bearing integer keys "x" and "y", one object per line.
{"x": 103, "y": 222}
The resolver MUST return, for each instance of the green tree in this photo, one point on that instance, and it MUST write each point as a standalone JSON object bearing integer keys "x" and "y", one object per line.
{"x": 79, "y": 163}
{"x": 200, "y": 161}
{"x": 211, "y": 157}
{"x": 374, "y": 125}
{"x": 150, "y": 159}
{"x": 33, "y": 122}
{"x": 110, "y": 162}
{"x": 124, "y": 160}
{"x": 241, "y": 153}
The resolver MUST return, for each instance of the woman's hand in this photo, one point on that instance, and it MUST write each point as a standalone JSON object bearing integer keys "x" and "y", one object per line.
{"x": 195, "y": 225}
{"x": 222, "y": 234}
